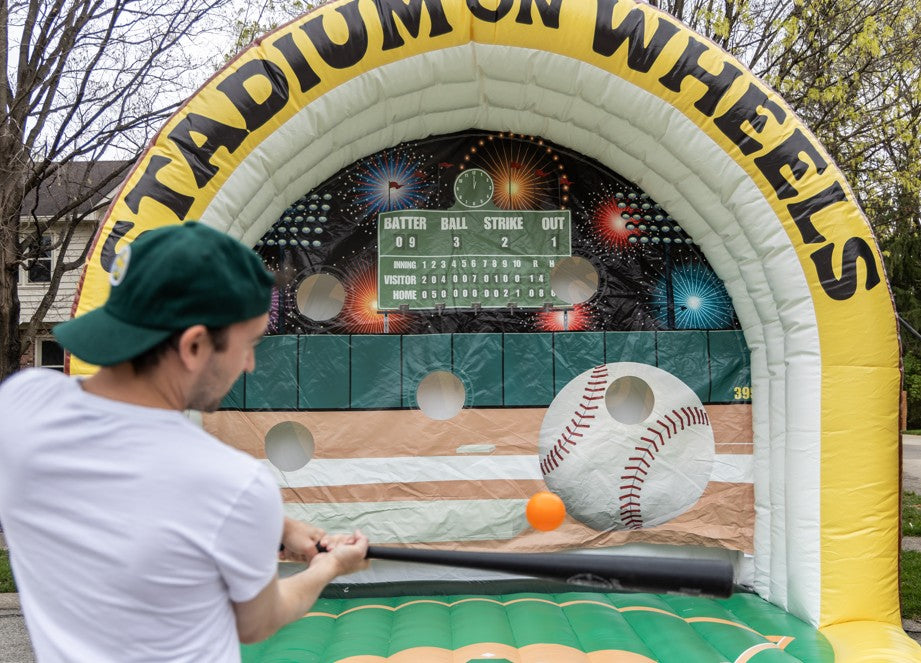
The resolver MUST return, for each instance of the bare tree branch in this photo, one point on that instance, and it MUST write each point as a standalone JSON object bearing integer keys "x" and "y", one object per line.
{"x": 81, "y": 80}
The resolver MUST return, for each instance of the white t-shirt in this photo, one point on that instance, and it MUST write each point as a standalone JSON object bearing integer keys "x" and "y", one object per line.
{"x": 130, "y": 529}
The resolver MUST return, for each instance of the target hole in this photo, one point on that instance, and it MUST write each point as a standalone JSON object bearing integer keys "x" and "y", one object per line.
{"x": 441, "y": 395}
{"x": 320, "y": 297}
{"x": 289, "y": 446}
{"x": 574, "y": 280}
{"x": 629, "y": 399}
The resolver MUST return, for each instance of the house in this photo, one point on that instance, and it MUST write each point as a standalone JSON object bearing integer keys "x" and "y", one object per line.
{"x": 78, "y": 191}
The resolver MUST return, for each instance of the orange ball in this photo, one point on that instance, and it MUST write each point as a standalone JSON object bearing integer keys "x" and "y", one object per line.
{"x": 545, "y": 511}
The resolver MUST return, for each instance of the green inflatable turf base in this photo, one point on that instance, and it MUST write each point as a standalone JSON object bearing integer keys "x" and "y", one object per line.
{"x": 544, "y": 627}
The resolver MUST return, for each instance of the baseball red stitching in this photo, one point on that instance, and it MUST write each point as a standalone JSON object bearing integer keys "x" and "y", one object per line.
{"x": 635, "y": 475}
{"x": 593, "y": 392}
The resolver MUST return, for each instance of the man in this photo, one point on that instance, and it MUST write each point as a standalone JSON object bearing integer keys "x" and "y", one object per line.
{"x": 135, "y": 535}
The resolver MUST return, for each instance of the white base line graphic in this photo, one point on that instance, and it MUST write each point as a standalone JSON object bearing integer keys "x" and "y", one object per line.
{"x": 470, "y": 520}
{"x": 731, "y": 468}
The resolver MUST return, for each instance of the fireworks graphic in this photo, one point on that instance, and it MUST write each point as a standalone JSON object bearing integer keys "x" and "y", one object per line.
{"x": 359, "y": 312}
{"x": 388, "y": 181}
{"x": 700, "y": 299}
{"x": 611, "y": 223}
{"x": 578, "y": 318}
{"x": 527, "y": 173}
{"x": 274, "y": 311}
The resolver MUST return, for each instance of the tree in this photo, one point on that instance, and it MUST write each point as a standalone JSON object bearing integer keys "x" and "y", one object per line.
{"x": 80, "y": 80}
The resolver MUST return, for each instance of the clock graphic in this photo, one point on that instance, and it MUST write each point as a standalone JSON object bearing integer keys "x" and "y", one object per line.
{"x": 473, "y": 188}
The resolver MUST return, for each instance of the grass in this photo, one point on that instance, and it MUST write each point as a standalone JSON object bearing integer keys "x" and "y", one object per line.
{"x": 910, "y": 584}
{"x": 911, "y": 514}
{"x": 6, "y": 575}
{"x": 910, "y": 565}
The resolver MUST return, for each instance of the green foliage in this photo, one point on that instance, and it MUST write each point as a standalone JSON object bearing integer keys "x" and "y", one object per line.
{"x": 910, "y": 567}
{"x": 902, "y": 256}
{"x": 911, "y": 514}
{"x": 910, "y": 584}
{"x": 6, "y": 573}
{"x": 911, "y": 365}
{"x": 256, "y": 19}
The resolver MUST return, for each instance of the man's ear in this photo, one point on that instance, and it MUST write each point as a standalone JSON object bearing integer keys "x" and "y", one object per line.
{"x": 195, "y": 347}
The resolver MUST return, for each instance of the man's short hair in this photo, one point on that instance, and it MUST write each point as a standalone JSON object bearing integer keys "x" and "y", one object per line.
{"x": 150, "y": 359}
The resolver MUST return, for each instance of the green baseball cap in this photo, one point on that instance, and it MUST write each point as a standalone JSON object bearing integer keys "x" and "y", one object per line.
{"x": 167, "y": 280}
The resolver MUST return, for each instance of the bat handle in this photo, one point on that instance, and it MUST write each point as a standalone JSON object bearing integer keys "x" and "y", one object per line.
{"x": 322, "y": 549}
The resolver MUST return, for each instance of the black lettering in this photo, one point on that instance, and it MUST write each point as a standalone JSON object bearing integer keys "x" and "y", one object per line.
{"x": 640, "y": 56}
{"x": 803, "y": 211}
{"x": 256, "y": 113}
{"x": 549, "y": 11}
{"x": 788, "y": 154}
{"x": 410, "y": 16}
{"x": 844, "y": 288}
{"x": 217, "y": 134}
{"x": 340, "y": 56}
{"x": 688, "y": 65}
{"x": 108, "y": 252}
{"x": 490, "y": 15}
{"x": 306, "y": 76}
{"x": 746, "y": 110}
{"x": 150, "y": 187}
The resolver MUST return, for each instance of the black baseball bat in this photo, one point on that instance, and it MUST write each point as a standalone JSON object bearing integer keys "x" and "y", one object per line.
{"x": 633, "y": 573}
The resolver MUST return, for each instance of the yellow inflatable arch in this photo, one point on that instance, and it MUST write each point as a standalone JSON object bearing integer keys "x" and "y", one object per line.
{"x": 627, "y": 85}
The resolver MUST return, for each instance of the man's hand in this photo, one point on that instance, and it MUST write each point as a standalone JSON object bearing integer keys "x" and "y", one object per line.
{"x": 344, "y": 553}
{"x": 299, "y": 541}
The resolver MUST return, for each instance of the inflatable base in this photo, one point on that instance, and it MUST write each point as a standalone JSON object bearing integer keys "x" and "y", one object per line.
{"x": 569, "y": 626}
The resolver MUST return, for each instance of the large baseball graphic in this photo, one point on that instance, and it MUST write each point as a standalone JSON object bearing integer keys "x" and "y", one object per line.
{"x": 626, "y": 446}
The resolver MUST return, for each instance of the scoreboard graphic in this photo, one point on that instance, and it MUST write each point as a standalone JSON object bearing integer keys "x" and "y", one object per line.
{"x": 470, "y": 258}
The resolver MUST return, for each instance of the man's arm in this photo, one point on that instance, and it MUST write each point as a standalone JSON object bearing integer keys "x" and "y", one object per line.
{"x": 284, "y": 600}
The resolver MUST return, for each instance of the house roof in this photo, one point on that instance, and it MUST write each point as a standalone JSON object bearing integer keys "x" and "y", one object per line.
{"x": 73, "y": 181}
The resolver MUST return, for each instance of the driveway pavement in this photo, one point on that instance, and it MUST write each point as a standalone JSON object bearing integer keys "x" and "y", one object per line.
{"x": 911, "y": 463}
{"x": 15, "y": 646}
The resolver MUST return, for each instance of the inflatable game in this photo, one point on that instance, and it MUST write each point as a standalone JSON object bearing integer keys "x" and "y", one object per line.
{"x": 548, "y": 246}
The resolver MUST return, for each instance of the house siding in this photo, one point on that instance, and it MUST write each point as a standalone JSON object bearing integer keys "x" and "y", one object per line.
{"x": 30, "y": 294}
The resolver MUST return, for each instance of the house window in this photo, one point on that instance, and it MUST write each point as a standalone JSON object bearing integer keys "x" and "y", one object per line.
{"x": 39, "y": 269}
{"x": 49, "y": 354}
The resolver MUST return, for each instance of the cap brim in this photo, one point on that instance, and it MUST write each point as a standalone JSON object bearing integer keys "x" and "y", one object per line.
{"x": 98, "y": 338}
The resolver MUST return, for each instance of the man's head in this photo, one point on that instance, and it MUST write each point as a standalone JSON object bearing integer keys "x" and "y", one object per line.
{"x": 167, "y": 282}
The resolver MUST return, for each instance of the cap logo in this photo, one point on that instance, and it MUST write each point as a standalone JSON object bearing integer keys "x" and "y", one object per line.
{"x": 120, "y": 266}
